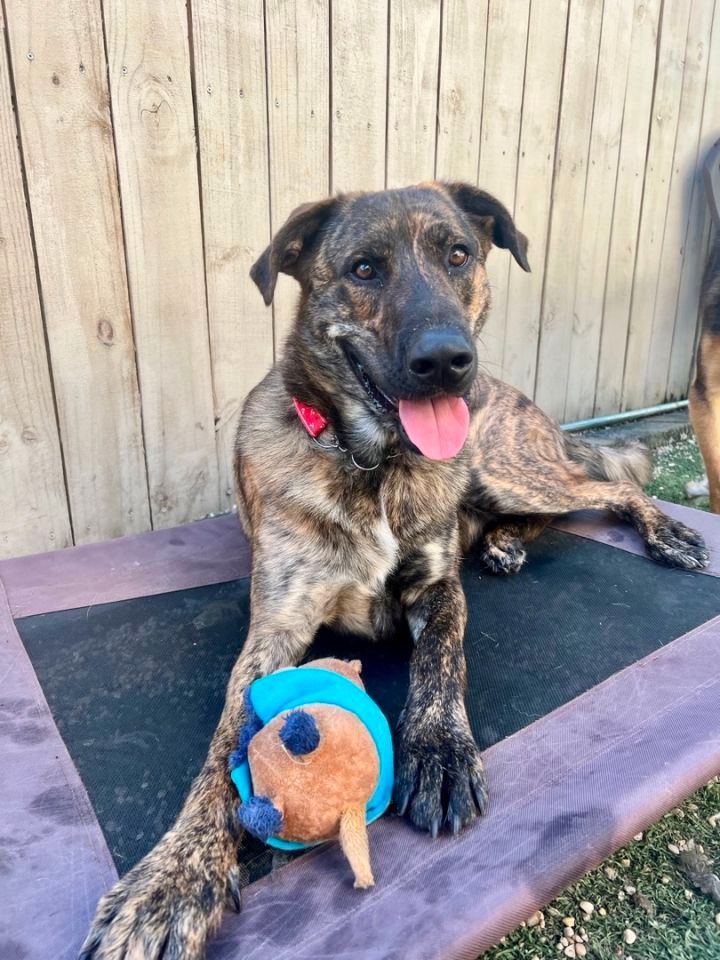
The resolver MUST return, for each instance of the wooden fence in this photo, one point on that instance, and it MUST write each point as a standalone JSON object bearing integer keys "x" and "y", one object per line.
{"x": 149, "y": 148}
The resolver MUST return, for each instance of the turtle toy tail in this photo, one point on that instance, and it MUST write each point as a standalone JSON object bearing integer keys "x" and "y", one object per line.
{"x": 354, "y": 842}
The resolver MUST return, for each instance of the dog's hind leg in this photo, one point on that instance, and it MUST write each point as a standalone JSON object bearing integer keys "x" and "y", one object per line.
{"x": 668, "y": 541}
{"x": 524, "y": 466}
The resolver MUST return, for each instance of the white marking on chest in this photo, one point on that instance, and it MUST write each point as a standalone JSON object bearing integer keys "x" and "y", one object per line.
{"x": 388, "y": 549}
{"x": 436, "y": 561}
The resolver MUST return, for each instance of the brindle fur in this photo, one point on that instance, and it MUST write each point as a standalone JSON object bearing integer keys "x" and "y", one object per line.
{"x": 359, "y": 548}
{"x": 705, "y": 391}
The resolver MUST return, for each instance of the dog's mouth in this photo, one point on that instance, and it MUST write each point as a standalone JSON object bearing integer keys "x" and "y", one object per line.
{"x": 378, "y": 399}
{"x": 436, "y": 427}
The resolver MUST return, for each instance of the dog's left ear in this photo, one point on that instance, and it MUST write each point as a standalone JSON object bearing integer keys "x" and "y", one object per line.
{"x": 491, "y": 220}
{"x": 294, "y": 239}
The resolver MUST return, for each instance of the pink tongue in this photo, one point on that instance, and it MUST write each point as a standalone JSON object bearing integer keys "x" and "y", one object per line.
{"x": 437, "y": 427}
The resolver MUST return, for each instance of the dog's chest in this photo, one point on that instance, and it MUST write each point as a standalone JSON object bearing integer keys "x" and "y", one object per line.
{"x": 371, "y": 557}
{"x": 380, "y": 548}
{"x": 400, "y": 520}
{"x": 404, "y": 520}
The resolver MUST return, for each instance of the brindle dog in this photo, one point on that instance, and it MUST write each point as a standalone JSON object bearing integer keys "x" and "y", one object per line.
{"x": 366, "y": 522}
{"x": 705, "y": 391}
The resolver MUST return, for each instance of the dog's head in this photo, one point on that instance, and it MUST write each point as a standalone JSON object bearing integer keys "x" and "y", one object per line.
{"x": 394, "y": 295}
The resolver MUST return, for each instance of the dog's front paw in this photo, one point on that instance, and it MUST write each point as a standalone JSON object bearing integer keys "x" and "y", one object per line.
{"x": 677, "y": 545}
{"x": 165, "y": 907}
{"x": 440, "y": 779}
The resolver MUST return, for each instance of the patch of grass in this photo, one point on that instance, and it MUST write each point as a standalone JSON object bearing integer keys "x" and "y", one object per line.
{"x": 668, "y": 924}
{"x": 677, "y": 462}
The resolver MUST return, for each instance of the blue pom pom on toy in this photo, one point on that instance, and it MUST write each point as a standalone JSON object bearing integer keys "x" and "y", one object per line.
{"x": 260, "y": 817}
{"x": 299, "y": 733}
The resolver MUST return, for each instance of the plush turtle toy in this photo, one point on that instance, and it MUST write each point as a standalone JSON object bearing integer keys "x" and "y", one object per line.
{"x": 314, "y": 760}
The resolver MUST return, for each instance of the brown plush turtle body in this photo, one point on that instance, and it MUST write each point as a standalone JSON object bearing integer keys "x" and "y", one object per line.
{"x": 321, "y": 794}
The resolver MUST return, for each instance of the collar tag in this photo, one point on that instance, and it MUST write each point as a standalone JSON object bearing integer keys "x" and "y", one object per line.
{"x": 313, "y": 421}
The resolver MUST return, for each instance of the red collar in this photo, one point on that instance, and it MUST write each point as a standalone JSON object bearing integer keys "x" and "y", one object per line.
{"x": 313, "y": 421}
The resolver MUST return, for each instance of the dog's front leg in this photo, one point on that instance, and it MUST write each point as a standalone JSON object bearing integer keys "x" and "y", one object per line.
{"x": 440, "y": 774}
{"x": 171, "y": 902}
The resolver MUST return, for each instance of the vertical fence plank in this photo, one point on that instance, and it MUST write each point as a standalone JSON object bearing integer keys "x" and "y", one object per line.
{"x": 298, "y": 53}
{"x": 658, "y": 173}
{"x": 150, "y": 87}
{"x": 677, "y": 216}
{"x": 33, "y": 505}
{"x": 412, "y": 90}
{"x": 682, "y": 356}
{"x": 533, "y": 196}
{"x": 359, "y": 94}
{"x": 695, "y": 249}
{"x": 499, "y": 145}
{"x": 229, "y": 63}
{"x": 628, "y": 201}
{"x": 610, "y": 89}
{"x": 62, "y": 99}
{"x": 462, "y": 67}
{"x": 567, "y": 206}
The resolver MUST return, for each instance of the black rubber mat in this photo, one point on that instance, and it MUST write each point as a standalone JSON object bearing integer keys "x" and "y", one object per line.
{"x": 136, "y": 687}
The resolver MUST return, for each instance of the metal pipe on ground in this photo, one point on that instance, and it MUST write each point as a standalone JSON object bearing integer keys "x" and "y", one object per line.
{"x": 624, "y": 417}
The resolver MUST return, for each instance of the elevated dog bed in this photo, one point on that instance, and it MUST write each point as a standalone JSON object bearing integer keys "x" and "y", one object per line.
{"x": 594, "y": 689}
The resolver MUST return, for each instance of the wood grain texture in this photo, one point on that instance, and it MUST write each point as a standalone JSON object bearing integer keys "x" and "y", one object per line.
{"x": 298, "y": 58}
{"x": 62, "y": 100}
{"x": 682, "y": 354}
{"x": 33, "y": 503}
{"x": 610, "y": 87}
{"x": 658, "y": 174}
{"x": 581, "y": 55}
{"x": 677, "y": 216}
{"x": 157, "y": 173}
{"x": 533, "y": 192}
{"x": 359, "y": 94}
{"x": 412, "y": 91}
{"x": 637, "y": 113}
{"x": 507, "y": 32}
{"x": 229, "y": 63}
{"x": 150, "y": 85}
{"x": 460, "y": 99}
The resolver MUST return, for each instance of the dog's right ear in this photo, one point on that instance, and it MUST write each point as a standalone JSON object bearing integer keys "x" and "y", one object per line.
{"x": 290, "y": 245}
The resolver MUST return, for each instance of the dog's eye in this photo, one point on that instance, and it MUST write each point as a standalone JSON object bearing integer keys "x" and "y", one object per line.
{"x": 458, "y": 256}
{"x": 363, "y": 270}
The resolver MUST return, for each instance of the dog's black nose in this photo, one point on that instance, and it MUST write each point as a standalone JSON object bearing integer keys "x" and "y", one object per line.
{"x": 442, "y": 358}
